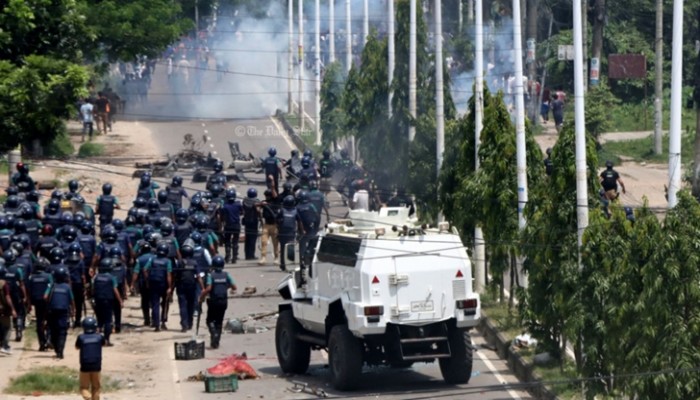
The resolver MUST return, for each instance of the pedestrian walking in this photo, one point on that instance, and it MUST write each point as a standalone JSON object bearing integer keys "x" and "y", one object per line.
{"x": 87, "y": 112}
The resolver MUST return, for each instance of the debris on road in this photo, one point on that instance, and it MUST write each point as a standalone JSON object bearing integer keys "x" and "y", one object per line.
{"x": 524, "y": 340}
{"x": 303, "y": 387}
{"x": 235, "y": 326}
{"x": 234, "y": 364}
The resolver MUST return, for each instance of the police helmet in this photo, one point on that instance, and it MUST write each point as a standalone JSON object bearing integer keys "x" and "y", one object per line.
{"x": 10, "y": 220}
{"x": 22, "y": 168}
{"x": 89, "y": 325}
{"x": 202, "y": 223}
{"x": 61, "y": 274}
{"x": 162, "y": 250}
{"x": 107, "y": 189}
{"x": 67, "y": 218}
{"x": 57, "y": 194}
{"x": 272, "y": 151}
{"x": 73, "y": 185}
{"x": 69, "y": 233}
{"x": 216, "y": 189}
{"x": 9, "y": 256}
{"x": 146, "y": 229}
{"x": 288, "y": 201}
{"x": 181, "y": 215}
{"x": 153, "y": 205}
{"x": 42, "y": 264}
{"x": 145, "y": 180}
{"x": 87, "y": 227}
{"x": 303, "y": 196}
{"x": 54, "y": 205}
{"x": 26, "y": 211}
{"x": 145, "y": 248}
{"x": 118, "y": 224}
{"x": 12, "y": 190}
{"x": 196, "y": 238}
{"x": 74, "y": 251}
{"x": 326, "y": 153}
{"x": 218, "y": 166}
{"x": 154, "y": 238}
{"x": 230, "y": 194}
{"x": 140, "y": 202}
{"x": 166, "y": 228}
{"x": 17, "y": 246}
{"x": 305, "y": 162}
{"x": 105, "y": 265}
{"x": 3, "y": 223}
{"x": 344, "y": 153}
{"x": 252, "y": 193}
{"x": 78, "y": 219}
{"x": 308, "y": 153}
{"x": 20, "y": 226}
{"x": 295, "y": 153}
{"x": 24, "y": 241}
{"x": 162, "y": 196}
{"x": 115, "y": 252}
{"x": 287, "y": 187}
{"x": 33, "y": 196}
{"x": 218, "y": 263}
{"x": 109, "y": 234}
{"x": 130, "y": 220}
{"x": 608, "y": 164}
{"x": 177, "y": 181}
{"x": 187, "y": 250}
{"x": 56, "y": 255}
{"x": 12, "y": 201}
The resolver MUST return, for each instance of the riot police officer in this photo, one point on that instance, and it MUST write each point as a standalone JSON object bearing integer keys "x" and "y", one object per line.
{"x": 218, "y": 283}
{"x": 270, "y": 207}
{"x": 90, "y": 345}
{"x": 308, "y": 222}
{"x": 230, "y": 219}
{"x": 307, "y": 174}
{"x": 326, "y": 168}
{"x": 273, "y": 168}
{"x": 14, "y": 278}
{"x": 251, "y": 220}
{"x": 22, "y": 180}
{"x": 166, "y": 209}
{"x": 145, "y": 189}
{"x": 158, "y": 276}
{"x": 318, "y": 199}
{"x": 119, "y": 272}
{"x": 183, "y": 227}
{"x": 145, "y": 256}
{"x": 39, "y": 282}
{"x": 218, "y": 176}
{"x": 188, "y": 277}
{"x": 175, "y": 192}
{"x": 87, "y": 241}
{"x": 106, "y": 295}
{"x": 287, "y": 220}
{"x": 52, "y": 214}
{"x": 106, "y": 203}
{"x": 61, "y": 307}
{"x": 77, "y": 275}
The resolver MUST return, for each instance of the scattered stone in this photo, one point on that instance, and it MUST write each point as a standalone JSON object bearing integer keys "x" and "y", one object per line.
{"x": 235, "y": 326}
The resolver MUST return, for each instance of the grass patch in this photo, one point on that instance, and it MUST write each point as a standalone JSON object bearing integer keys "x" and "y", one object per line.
{"x": 307, "y": 135}
{"x": 506, "y": 321}
{"x": 60, "y": 146}
{"x": 91, "y": 150}
{"x": 52, "y": 380}
{"x": 552, "y": 372}
{"x": 643, "y": 149}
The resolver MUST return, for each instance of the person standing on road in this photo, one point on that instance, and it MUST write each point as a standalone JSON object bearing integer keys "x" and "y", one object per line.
{"x": 308, "y": 222}
{"x": 287, "y": 221}
{"x": 90, "y": 345}
{"x": 159, "y": 278}
{"x": 106, "y": 294}
{"x": 7, "y": 312}
{"x": 39, "y": 282}
{"x": 273, "y": 169}
{"x": 251, "y": 220}
{"x": 270, "y": 208}
{"x": 61, "y": 307}
{"x": 14, "y": 279}
{"x": 176, "y": 192}
{"x": 146, "y": 255}
{"x": 609, "y": 179}
{"x": 187, "y": 278}
{"x": 22, "y": 180}
{"x": 106, "y": 203}
{"x": 86, "y": 115}
{"x": 318, "y": 199}
{"x": 326, "y": 168}
{"x": 230, "y": 219}
{"x": 102, "y": 112}
{"x": 218, "y": 283}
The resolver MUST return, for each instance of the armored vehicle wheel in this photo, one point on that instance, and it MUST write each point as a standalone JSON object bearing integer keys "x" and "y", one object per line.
{"x": 293, "y": 355}
{"x": 458, "y": 368}
{"x": 344, "y": 358}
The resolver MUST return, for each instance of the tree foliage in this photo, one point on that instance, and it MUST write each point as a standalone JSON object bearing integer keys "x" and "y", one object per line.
{"x": 333, "y": 118}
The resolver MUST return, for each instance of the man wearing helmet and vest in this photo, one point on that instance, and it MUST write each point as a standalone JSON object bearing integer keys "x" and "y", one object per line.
{"x": 318, "y": 199}
{"x": 188, "y": 277}
{"x": 7, "y": 312}
{"x": 218, "y": 176}
{"x": 326, "y": 168}
{"x": 251, "y": 220}
{"x": 609, "y": 180}
{"x": 293, "y": 165}
{"x": 272, "y": 167}
{"x": 106, "y": 203}
{"x": 166, "y": 209}
{"x": 229, "y": 218}
{"x": 14, "y": 278}
{"x": 145, "y": 255}
{"x": 308, "y": 218}
{"x": 77, "y": 273}
{"x": 287, "y": 221}
{"x": 52, "y": 214}
{"x": 217, "y": 286}
{"x": 145, "y": 189}
{"x": 105, "y": 292}
{"x": 22, "y": 180}
{"x": 90, "y": 343}
{"x": 158, "y": 274}
{"x": 269, "y": 209}
{"x": 307, "y": 174}
{"x": 61, "y": 307}
{"x": 176, "y": 192}
{"x": 39, "y": 281}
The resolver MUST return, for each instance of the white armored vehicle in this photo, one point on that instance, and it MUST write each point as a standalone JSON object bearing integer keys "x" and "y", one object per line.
{"x": 380, "y": 291}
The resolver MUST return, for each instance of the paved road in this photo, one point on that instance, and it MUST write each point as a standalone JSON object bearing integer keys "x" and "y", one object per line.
{"x": 421, "y": 381}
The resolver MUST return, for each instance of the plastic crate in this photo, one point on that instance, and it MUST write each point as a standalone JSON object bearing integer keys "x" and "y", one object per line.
{"x": 220, "y": 383}
{"x": 191, "y": 350}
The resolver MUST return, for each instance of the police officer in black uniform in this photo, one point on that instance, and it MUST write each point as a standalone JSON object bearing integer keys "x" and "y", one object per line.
{"x": 187, "y": 278}
{"x": 230, "y": 219}
{"x": 90, "y": 345}
{"x": 87, "y": 241}
{"x": 146, "y": 254}
{"x": 106, "y": 203}
{"x": 218, "y": 176}
{"x": 183, "y": 227}
{"x": 176, "y": 192}
{"x": 52, "y": 214}
{"x": 307, "y": 174}
{"x": 105, "y": 292}
{"x": 251, "y": 220}
{"x": 287, "y": 220}
{"x": 119, "y": 272}
{"x": 145, "y": 189}
{"x": 77, "y": 275}
{"x": 14, "y": 278}
{"x": 308, "y": 218}
{"x": 273, "y": 169}
{"x": 218, "y": 283}
{"x": 22, "y": 180}
{"x": 158, "y": 276}
{"x": 166, "y": 209}
{"x": 318, "y": 199}
{"x": 61, "y": 307}
{"x": 39, "y": 282}
{"x": 326, "y": 168}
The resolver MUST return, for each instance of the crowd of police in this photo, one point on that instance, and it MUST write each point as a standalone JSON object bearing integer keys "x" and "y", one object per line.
{"x": 62, "y": 256}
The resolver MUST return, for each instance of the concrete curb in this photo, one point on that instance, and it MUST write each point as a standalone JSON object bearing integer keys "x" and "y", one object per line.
{"x": 296, "y": 139}
{"x": 523, "y": 370}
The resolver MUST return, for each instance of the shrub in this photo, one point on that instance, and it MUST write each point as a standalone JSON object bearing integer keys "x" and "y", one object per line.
{"x": 91, "y": 150}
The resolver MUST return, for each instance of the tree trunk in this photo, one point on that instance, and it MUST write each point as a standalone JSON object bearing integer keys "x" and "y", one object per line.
{"x": 513, "y": 272}
{"x": 659, "y": 78}
{"x": 598, "y": 27}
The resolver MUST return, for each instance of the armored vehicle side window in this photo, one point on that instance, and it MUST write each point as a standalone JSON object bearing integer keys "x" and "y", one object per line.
{"x": 339, "y": 250}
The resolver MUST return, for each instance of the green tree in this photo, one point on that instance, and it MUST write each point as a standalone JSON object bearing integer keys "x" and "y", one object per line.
{"x": 332, "y": 114}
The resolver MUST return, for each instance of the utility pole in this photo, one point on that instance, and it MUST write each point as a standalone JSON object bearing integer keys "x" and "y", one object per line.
{"x": 290, "y": 66}
{"x": 532, "y": 21}
{"x": 659, "y": 79}
{"x": 301, "y": 66}
{"x": 584, "y": 40}
{"x": 519, "y": 114}
{"x": 390, "y": 50}
{"x": 580, "y": 128}
{"x": 674, "y": 145}
{"x": 439, "y": 95}
{"x": 597, "y": 51}
{"x": 331, "y": 30}
{"x": 470, "y": 11}
{"x": 412, "y": 71}
{"x": 460, "y": 15}
{"x": 365, "y": 23}
{"x": 317, "y": 74}
{"x": 348, "y": 36}
{"x": 479, "y": 244}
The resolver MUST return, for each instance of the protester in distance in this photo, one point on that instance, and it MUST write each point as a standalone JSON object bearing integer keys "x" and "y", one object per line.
{"x": 610, "y": 179}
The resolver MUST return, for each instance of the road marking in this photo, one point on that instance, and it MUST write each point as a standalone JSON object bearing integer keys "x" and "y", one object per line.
{"x": 281, "y": 129}
{"x": 176, "y": 379}
{"x": 496, "y": 374}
